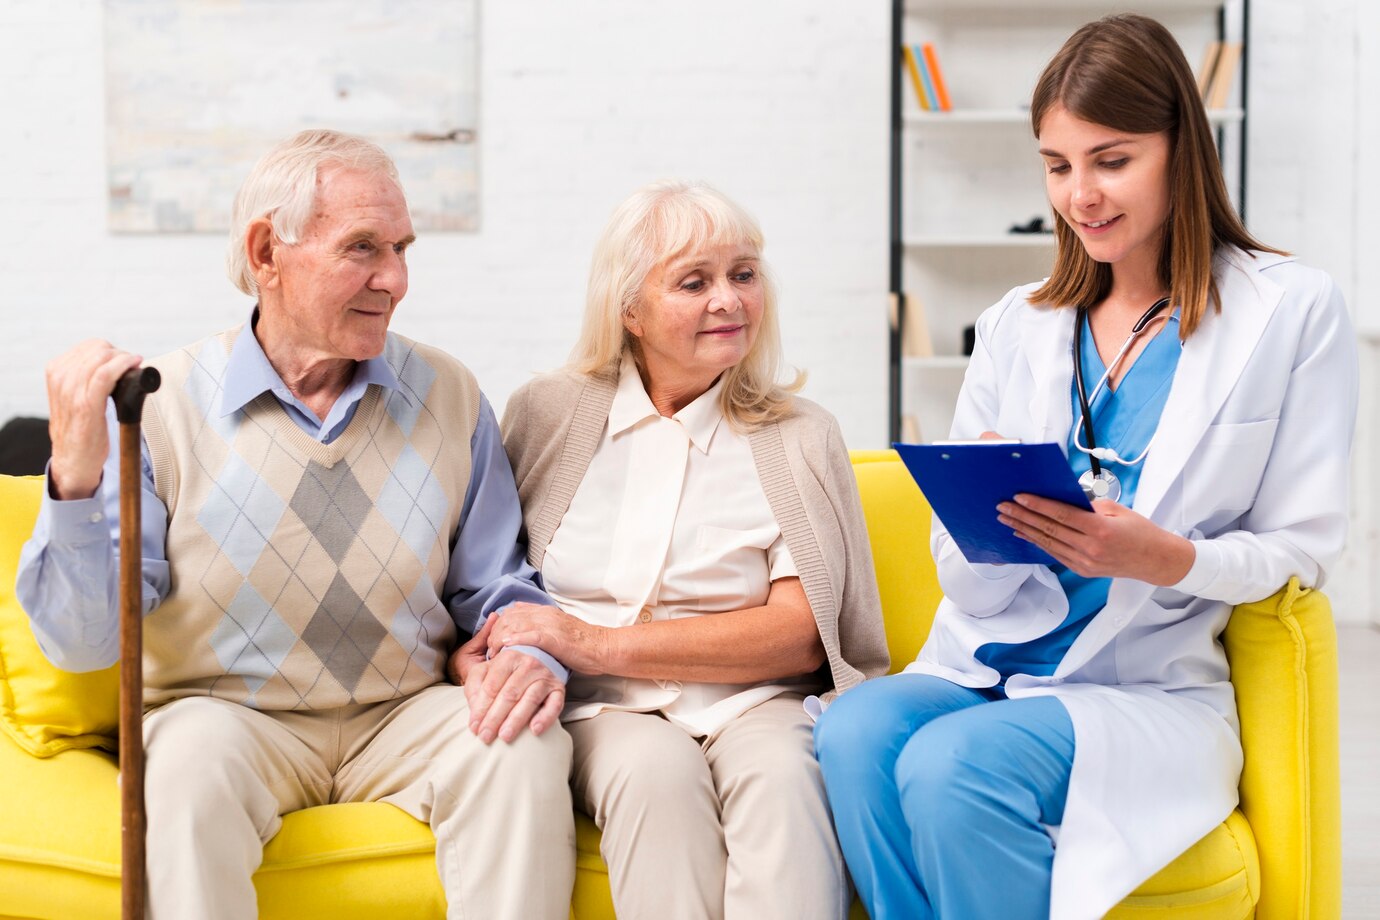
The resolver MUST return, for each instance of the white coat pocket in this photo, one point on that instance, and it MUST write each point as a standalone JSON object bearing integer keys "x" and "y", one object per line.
{"x": 1223, "y": 476}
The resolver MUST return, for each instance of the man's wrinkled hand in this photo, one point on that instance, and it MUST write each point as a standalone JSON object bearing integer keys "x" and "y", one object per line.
{"x": 78, "y": 384}
{"x": 506, "y": 692}
{"x": 510, "y": 691}
{"x": 470, "y": 653}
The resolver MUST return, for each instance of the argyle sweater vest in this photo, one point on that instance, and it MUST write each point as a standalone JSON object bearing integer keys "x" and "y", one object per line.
{"x": 306, "y": 575}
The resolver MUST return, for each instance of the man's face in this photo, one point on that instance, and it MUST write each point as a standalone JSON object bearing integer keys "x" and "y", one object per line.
{"x": 335, "y": 291}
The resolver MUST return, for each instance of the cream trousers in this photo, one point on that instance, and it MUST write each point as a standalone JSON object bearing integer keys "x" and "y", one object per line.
{"x": 731, "y": 826}
{"x": 220, "y": 775}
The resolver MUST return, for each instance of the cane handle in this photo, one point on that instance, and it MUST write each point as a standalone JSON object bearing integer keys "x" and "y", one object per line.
{"x": 130, "y": 391}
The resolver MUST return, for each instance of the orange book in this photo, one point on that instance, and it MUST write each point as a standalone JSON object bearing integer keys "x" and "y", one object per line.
{"x": 913, "y": 67}
{"x": 941, "y": 92}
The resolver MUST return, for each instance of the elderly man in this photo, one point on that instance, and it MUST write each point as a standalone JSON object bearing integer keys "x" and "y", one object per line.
{"x": 325, "y": 505}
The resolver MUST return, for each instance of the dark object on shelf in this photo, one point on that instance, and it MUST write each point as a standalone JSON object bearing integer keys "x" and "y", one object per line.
{"x": 969, "y": 340}
{"x": 24, "y": 446}
{"x": 1034, "y": 225}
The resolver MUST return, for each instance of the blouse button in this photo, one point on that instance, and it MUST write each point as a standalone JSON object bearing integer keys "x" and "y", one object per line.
{"x": 645, "y": 616}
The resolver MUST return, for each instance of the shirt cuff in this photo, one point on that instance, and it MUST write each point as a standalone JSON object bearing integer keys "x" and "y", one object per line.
{"x": 1207, "y": 564}
{"x": 76, "y": 521}
{"x": 561, "y": 671}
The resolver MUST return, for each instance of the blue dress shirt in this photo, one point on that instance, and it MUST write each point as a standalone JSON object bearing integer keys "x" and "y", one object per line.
{"x": 68, "y": 571}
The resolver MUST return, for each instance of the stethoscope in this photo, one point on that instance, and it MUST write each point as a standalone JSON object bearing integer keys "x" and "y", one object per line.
{"x": 1100, "y": 482}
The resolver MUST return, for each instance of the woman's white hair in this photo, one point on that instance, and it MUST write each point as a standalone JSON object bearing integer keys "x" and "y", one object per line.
{"x": 282, "y": 187}
{"x": 657, "y": 223}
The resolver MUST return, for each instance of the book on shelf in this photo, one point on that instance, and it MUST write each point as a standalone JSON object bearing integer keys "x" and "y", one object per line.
{"x": 910, "y": 429}
{"x": 1214, "y": 48}
{"x": 913, "y": 68}
{"x": 922, "y": 63}
{"x": 1223, "y": 75}
{"x": 926, "y": 78}
{"x": 941, "y": 91}
{"x": 915, "y": 330}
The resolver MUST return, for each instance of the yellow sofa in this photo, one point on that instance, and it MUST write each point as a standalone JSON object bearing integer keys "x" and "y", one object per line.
{"x": 1277, "y": 857}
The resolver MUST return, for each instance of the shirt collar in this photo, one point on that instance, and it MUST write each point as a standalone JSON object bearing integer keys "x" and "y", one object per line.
{"x": 631, "y": 405}
{"x": 248, "y": 373}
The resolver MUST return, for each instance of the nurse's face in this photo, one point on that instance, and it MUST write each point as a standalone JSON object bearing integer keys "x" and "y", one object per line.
{"x": 1111, "y": 187}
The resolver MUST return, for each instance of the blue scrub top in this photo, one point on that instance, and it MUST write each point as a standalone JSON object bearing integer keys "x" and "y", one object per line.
{"x": 1124, "y": 419}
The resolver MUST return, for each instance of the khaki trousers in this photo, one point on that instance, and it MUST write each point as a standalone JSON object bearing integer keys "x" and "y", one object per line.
{"x": 732, "y": 826}
{"x": 219, "y": 775}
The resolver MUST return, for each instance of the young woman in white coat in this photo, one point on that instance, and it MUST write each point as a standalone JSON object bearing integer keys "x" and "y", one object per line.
{"x": 1069, "y": 729}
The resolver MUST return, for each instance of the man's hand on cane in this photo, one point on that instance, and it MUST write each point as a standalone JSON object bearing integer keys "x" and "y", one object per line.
{"x": 79, "y": 382}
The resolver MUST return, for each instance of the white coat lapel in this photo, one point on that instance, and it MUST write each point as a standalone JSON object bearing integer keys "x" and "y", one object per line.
{"x": 1212, "y": 362}
{"x": 1048, "y": 333}
{"x": 1209, "y": 368}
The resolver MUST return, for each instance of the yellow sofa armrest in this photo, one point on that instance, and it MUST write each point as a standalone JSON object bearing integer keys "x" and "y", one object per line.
{"x": 1283, "y": 654}
{"x": 898, "y": 527}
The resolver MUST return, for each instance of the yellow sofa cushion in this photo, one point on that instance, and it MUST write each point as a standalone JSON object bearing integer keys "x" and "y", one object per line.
{"x": 357, "y": 861}
{"x": 60, "y": 834}
{"x": 60, "y": 850}
{"x": 43, "y": 709}
{"x": 1218, "y": 878}
{"x": 592, "y": 899}
{"x": 898, "y": 527}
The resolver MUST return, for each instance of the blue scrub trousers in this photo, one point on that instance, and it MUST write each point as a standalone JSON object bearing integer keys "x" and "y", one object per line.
{"x": 940, "y": 794}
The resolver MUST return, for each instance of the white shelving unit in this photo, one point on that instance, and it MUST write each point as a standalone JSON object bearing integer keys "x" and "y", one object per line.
{"x": 1022, "y": 117}
{"x": 963, "y": 178}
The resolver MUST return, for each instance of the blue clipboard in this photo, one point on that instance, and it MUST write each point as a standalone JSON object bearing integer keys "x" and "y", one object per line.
{"x": 964, "y": 483}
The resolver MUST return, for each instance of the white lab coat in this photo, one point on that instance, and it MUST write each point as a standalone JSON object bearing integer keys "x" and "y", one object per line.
{"x": 1251, "y": 463}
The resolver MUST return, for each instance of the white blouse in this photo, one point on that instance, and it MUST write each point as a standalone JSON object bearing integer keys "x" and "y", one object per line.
{"x": 669, "y": 521}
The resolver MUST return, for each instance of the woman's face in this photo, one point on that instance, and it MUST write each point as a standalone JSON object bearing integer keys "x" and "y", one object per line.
{"x": 1111, "y": 187}
{"x": 697, "y": 314}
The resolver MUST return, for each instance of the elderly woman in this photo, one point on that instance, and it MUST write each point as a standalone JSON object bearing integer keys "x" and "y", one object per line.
{"x": 700, "y": 528}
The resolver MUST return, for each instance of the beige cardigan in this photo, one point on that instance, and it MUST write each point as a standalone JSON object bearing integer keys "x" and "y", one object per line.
{"x": 553, "y": 424}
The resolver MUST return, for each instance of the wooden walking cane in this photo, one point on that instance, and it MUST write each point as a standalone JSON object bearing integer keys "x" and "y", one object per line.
{"x": 129, "y": 395}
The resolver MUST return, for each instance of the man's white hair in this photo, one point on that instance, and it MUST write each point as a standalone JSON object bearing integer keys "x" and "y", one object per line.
{"x": 282, "y": 187}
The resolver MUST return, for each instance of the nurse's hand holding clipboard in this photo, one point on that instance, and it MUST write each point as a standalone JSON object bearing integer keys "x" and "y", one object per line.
{"x": 1112, "y": 541}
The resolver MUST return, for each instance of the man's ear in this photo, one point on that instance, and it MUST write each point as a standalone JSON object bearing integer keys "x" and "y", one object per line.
{"x": 261, "y": 246}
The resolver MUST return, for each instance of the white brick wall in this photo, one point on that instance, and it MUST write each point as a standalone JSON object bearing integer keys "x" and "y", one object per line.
{"x": 782, "y": 104}
{"x": 1314, "y": 78}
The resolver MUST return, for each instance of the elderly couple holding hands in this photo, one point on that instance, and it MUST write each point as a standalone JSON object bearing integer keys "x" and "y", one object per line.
{"x": 329, "y": 508}
{"x": 639, "y": 577}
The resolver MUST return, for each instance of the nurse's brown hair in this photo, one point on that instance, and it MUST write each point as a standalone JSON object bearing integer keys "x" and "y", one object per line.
{"x": 1126, "y": 72}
